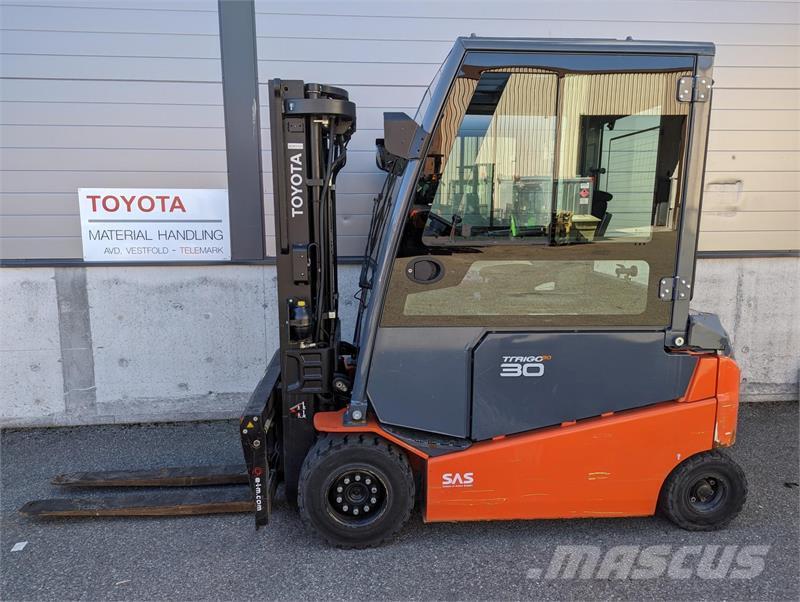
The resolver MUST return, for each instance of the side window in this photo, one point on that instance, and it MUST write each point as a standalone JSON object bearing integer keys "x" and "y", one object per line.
{"x": 545, "y": 199}
{"x": 621, "y": 140}
{"x": 497, "y": 182}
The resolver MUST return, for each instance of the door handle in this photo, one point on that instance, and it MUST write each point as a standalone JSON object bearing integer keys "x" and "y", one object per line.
{"x": 424, "y": 270}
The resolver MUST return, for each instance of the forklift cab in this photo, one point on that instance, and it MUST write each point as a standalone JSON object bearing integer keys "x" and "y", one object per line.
{"x": 537, "y": 264}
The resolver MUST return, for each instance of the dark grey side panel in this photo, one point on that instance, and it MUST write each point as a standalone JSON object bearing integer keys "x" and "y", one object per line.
{"x": 420, "y": 378}
{"x": 589, "y": 373}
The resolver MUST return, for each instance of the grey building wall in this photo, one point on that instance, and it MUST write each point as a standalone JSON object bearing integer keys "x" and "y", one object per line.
{"x": 128, "y": 93}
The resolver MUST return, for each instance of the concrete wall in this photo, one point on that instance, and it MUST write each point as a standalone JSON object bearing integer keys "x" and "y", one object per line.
{"x": 94, "y": 345}
{"x": 758, "y": 301}
{"x": 31, "y": 378}
{"x": 100, "y": 345}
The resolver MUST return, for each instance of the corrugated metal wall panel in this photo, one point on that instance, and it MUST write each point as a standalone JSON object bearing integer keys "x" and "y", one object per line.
{"x": 764, "y": 119}
{"x": 752, "y": 161}
{"x": 755, "y": 131}
{"x": 103, "y": 93}
{"x": 43, "y": 225}
{"x": 757, "y": 221}
{"x": 735, "y": 201}
{"x": 755, "y": 240}
{"x": 511, "y": 22}
{"x": 141, "y": 17}
{"x": 110, "y": 137}
{"x": 54, "y": 203}
{"x": 727, "y": 99}
{"x": 34, "y": 182}
{"x": 90, "y": 159}
{"x": 111, "y": 68}
{"x": 551, "y": 11}
{"x": 92, "y": 92}
{"x": 721, "y": 141}
{"x": 777, "y": 181}
{"x": 93, "y": 44}
{"x": 36, "y": 247}
{"x": 134, "y": 75}
{"x": 119, "y": 114}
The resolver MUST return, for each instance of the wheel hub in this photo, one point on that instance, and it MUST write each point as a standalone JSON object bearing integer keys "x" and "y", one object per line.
{"x": 356, "y": 495}
{"x": 706, "y": 494}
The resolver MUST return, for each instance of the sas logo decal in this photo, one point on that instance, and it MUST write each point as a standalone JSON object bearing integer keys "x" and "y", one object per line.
{"x": 458, "y": 479}
{"x": 523, "y": 365}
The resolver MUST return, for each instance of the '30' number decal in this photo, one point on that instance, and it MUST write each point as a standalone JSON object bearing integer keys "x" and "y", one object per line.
{"x": 530, "y": 369}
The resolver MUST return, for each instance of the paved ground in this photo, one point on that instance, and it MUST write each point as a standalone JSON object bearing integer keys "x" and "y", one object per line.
{"x": 223, "y": 558}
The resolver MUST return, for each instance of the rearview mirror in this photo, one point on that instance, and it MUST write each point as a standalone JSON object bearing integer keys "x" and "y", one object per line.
{"x": 403, "y": 137}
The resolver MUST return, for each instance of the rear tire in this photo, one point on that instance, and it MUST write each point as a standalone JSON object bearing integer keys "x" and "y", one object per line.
{"x": 704, "y": 492}
{"x": 355, "y": 491}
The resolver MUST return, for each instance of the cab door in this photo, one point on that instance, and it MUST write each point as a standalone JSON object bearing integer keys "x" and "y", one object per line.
{"x": 527, "y": 287}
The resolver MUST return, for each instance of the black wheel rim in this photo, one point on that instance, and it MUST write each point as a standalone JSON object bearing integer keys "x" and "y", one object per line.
{"x": 357, "y": 496}
{"x": 707, "y": 494}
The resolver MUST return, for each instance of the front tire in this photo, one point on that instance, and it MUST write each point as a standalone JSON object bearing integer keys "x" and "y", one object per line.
{"x": 704, "y": 493}
{"x": 355, "y": 491}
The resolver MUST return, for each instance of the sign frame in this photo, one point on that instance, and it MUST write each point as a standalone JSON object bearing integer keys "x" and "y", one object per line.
{"x": 154, "y": 225}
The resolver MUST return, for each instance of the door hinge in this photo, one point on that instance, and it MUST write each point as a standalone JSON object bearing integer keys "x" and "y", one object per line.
{"x": 674, "y": 289}
{"x": 694, "y": 89}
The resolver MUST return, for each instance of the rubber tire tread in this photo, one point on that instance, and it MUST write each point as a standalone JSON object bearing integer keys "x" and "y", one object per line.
{"x": 669, "y": 502}
{"x": 330, "y": 445}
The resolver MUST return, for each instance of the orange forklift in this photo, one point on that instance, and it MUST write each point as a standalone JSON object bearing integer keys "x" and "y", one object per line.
{"x": 524, "y": 346}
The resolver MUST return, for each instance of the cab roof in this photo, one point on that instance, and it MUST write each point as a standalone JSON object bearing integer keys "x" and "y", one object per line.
{"x": 585, "y": 45}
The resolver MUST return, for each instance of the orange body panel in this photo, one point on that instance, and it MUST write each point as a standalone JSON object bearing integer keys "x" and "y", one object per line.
{"x": 611, "y": 465}
{"x": 331, "y": 422}
{"x": 727, "y": 402}
{"x": 704, "y": 380}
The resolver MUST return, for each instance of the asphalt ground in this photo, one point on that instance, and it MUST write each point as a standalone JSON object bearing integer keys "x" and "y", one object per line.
{"x": 223, "y": 558}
